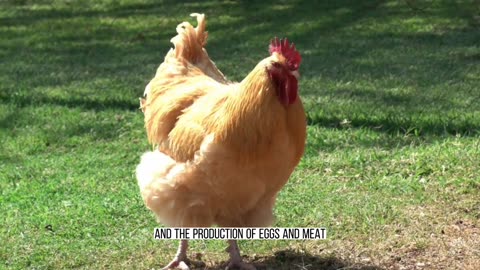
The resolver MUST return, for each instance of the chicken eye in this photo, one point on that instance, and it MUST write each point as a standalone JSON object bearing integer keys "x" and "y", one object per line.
{"x": 292, "y": 66}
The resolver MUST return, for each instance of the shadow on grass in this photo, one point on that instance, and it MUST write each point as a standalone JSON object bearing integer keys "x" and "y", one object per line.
{"x": 397, "y": 124}
{"x": 84, "y": 103}
{"x": 292, "y": 260}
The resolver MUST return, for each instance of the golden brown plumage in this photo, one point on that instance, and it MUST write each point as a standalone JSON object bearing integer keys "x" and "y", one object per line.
{"x": 224, "y": 149}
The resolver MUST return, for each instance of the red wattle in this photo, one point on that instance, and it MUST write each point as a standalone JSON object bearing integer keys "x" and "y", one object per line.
{"x": 292, "y": 89}
{"x": 286, "y": 86}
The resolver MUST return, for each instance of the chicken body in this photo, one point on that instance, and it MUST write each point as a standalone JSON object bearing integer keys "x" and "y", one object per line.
{"x": 224, "y": 150}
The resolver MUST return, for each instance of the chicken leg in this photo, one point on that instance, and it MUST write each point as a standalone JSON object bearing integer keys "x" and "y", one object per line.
{"x": 180, "y": 258}
{"x": 235, "y": 258}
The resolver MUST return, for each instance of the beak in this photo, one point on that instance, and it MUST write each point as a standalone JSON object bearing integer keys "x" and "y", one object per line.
{"x": 295, "y": 73}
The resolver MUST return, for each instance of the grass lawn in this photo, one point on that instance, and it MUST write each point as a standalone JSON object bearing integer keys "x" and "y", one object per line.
{"x": 392, "y": 166}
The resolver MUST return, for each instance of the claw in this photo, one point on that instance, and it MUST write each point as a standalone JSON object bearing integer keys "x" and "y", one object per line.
{"x": 180, "y": 259}
{"x": 236, "y": 259}
{"x": 176, "y": 264}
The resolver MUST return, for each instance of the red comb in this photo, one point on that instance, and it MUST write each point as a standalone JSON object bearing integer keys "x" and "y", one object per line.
{"x": 282, "y": 46}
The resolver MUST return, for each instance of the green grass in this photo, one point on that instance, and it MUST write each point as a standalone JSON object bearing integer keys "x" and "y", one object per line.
{"x": 393, "y": 154}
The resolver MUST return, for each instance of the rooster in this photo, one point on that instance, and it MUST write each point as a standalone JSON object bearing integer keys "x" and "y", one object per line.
{"x": 223, "y": 150}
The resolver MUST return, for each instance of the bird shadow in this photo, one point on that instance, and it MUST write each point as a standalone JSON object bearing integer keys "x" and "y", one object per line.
{"x": 289, "y": 259}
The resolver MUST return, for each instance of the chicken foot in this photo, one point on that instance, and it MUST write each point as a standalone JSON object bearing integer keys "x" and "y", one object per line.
{"x": 235, "y": 258}
{"x": 180, "y": 258}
